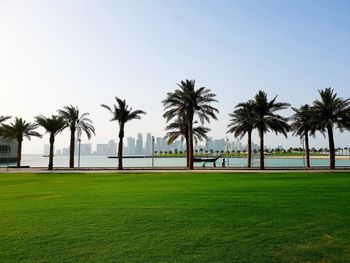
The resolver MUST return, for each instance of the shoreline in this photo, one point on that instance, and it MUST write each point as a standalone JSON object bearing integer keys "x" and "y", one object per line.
{"x": 339, "y": 157}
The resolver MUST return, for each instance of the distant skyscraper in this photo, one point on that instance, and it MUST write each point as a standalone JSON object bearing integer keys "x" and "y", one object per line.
{"x": 219, "y": 145}
{"x": 112, "y": 148}
{"x": 139, "y": 144}
{"x": 131, "y": 145}
{"x": 102, "y": 149}
{"x": 149, "y": 144}
{"x": 85, "y": 149}
{"x": 65, "y": 151}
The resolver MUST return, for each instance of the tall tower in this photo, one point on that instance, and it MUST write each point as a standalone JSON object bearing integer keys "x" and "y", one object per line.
{"x": 148, "y": 144}
{"x": 139, "y": 144}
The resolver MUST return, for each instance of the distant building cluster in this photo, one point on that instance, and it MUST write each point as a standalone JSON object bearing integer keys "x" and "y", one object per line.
{"x": 143, "y": 146}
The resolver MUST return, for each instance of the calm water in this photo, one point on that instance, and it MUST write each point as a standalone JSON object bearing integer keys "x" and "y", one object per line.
{"x": 103, "y": 161}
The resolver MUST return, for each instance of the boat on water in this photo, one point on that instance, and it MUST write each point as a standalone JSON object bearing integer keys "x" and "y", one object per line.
{"x": 211, "y": 159}
{"x": 128, "y": 156}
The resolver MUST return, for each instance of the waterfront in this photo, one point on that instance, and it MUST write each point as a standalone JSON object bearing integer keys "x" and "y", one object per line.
{"x": 103, "y": 161}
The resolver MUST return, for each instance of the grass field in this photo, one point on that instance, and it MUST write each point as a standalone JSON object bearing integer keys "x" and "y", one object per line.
{"x": 176, "y": 217}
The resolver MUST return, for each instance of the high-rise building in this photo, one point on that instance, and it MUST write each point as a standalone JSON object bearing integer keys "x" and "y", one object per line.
{"x": 148, "y": 145}
{"x": 112, "y": 148}
{"x": 102, "y": 149}
{"x": 219, "y": 145}
{"x": 139, "y": 144}
{"x": 131, "y": 145}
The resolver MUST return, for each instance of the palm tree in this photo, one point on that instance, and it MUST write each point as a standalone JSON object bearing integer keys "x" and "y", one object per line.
{"x": 303, "y": 123}
{"x": 188, "y": 102}
{"x": 76, "y": 122}
{"x": 241, "y": 123}
{"x": 178, "y": 128}
{"x": 18, "y": 130}
{"x": 265, "y": 118}
{"x": 4, "y": 118}
{"x": 122, "y": 113}
{"x": 53, "y": 125}
{"x": 331, "y": 112}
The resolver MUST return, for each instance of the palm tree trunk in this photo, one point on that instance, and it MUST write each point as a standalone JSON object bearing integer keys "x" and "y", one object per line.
{"x": 19, "y": 152}
{"x": 307, "y": 150}
{"x": 72, "y": 148}
{"x": 261, "y": 135}
{"x": 120, "y": 147}
{"x": 249, "y": 149}
{"x": 190, "y": 144}
{"x": 331, "y": 147}
{"x": 187, "y": 153}
{"x": 52, "y": 141}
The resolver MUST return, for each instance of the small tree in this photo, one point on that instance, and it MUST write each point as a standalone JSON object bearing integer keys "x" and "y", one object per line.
{"x": 53, "y": 125}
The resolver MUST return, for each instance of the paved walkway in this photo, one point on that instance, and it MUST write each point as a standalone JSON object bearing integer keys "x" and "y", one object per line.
{"x": 170, "y": 170}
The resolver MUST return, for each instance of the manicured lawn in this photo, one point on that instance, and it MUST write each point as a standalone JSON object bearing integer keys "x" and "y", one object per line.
{"x": 180, "y": 217}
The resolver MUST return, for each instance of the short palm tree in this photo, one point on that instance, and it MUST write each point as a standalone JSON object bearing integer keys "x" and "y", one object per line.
{"x": 76, "y": 122}
{"x": 178, "y": 128}
{"x": 242, "y": 123}
{"x": 331, "y": 112}
{"x": 18, "y": 130}
{"x": 122, "y": 113}
{"x": 188, "y": 102}
{"x": 265, "y": 118}
{"x": 53, "y": 125}
{"x": 303, "y": 124}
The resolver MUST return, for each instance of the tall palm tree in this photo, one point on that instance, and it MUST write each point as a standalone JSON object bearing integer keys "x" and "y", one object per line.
{"x": 188, "y": 102}
{"x": 265, "y": 118}
{"x": 75, "y": 122}
{"x": 122, "y": 113}
{"x": 178, "y": 128}
{"x": 303, "y": 124}
{"x": 53, "y": 125}
{"x": 18, "y": 130}
{"x": 331, "y": 112}
{"x": 241, "y": 123}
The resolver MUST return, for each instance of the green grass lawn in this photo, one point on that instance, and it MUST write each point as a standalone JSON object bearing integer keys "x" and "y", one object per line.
{"x": 175, "y": 217}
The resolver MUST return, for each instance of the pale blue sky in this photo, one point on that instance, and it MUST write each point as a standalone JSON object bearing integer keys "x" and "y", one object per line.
{"x": 54, "y": 53}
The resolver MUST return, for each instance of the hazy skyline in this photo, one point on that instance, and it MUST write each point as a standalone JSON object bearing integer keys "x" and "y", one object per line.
{"x": 57, "y": 53}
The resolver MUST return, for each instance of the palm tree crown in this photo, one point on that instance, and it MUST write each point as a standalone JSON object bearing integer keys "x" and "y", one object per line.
{"x": 187, "y": 102}
{"x": 4, "y": 118}
{"x": 303, "y": 121}
{"x": 331, "y": 112}
{"x": 265, "y": 117}
{"x": 76, "y": 122}
{"x": 53, "y": 125}
{"x": 122, "y": 113}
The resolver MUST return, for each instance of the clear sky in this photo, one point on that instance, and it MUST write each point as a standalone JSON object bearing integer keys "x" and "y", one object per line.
{"x": 56, "y": 53}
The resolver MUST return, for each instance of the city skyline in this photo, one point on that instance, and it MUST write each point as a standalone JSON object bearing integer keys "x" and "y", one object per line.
{"x": 235, "y": 48}
{"x": 131, "y": 147}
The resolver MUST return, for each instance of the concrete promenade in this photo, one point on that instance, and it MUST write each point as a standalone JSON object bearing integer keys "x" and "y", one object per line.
{"x": 172, "y": 170}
